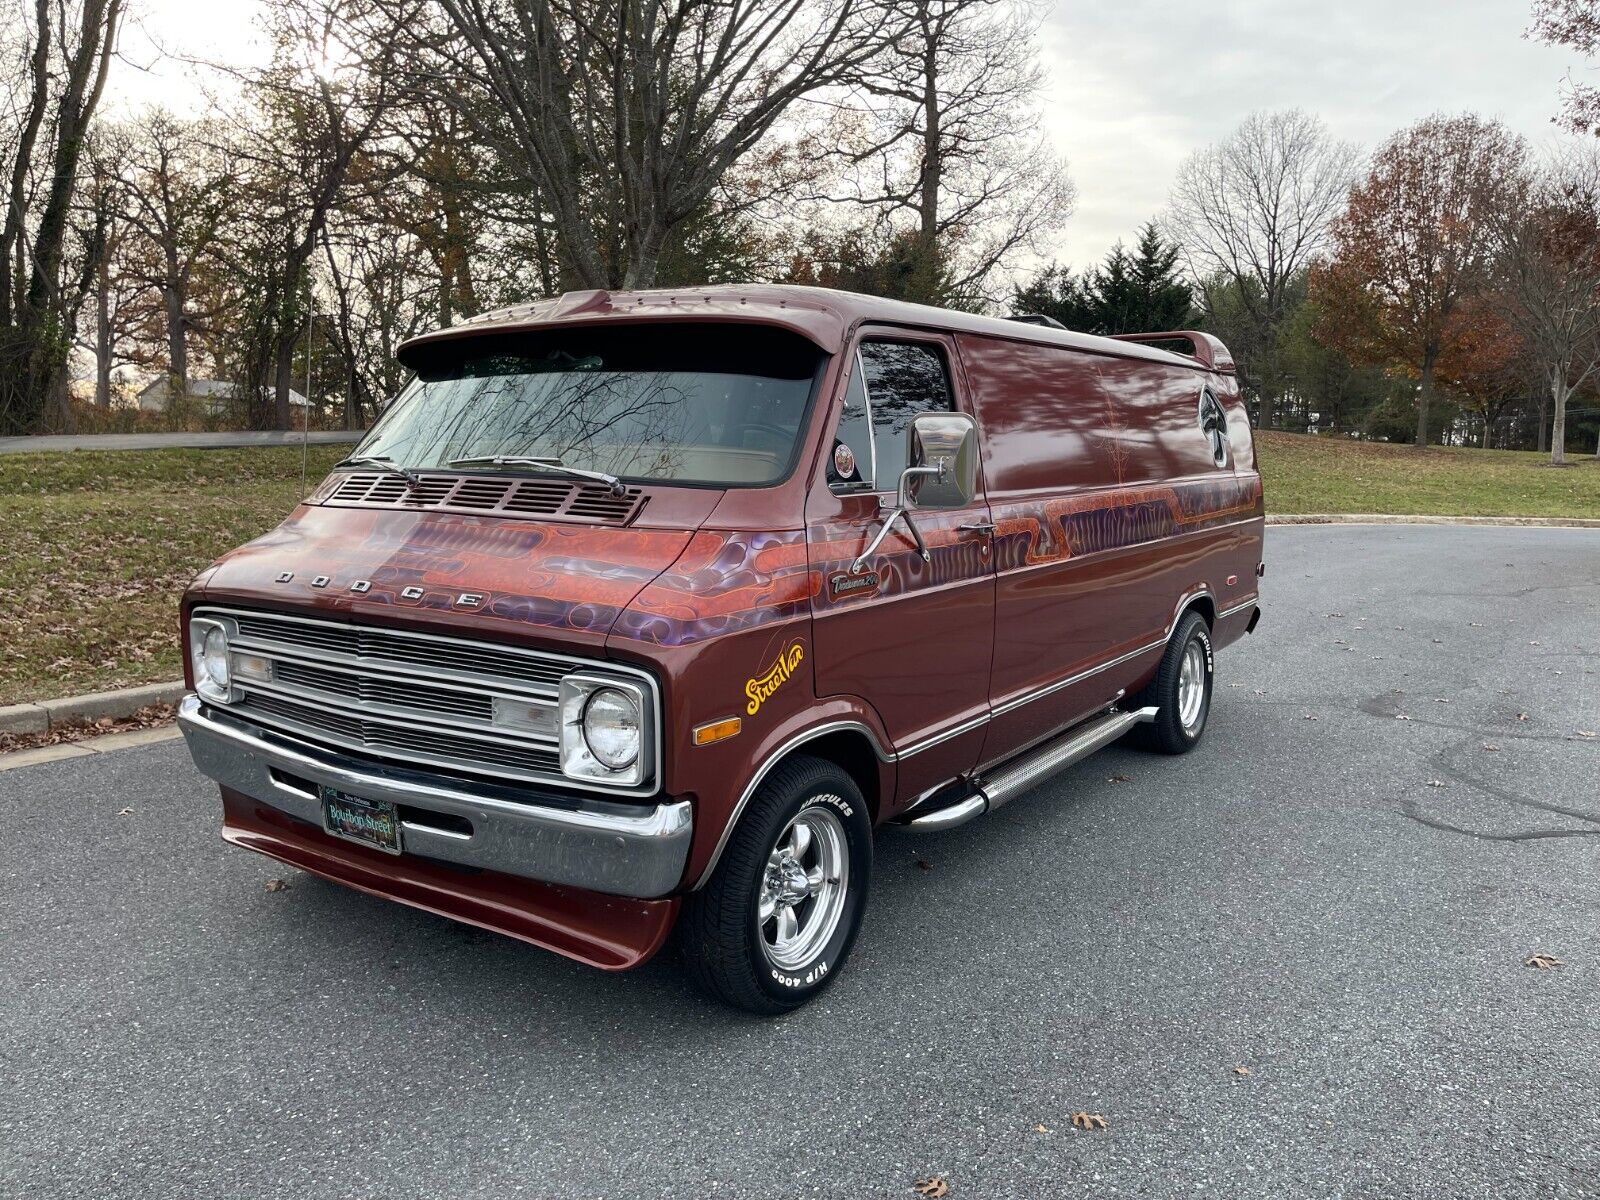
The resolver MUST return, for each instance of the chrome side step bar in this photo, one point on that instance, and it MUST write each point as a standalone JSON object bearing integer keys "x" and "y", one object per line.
{"x": 1013, "y": 778}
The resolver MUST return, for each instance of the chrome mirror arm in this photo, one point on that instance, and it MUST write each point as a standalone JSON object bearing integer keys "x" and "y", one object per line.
{"x": 900, "y": 512}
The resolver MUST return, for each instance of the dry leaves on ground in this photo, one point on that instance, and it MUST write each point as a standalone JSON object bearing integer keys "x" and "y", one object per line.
{"x": 277, "y": 885}
{"x": 1041, "y": 1128}
{"x": 933, "y": 1185}
{"x": 1089, "y": 1120}
{"x": 1241, "y": 1070}
{"x": 77, "y": 731}
{"x": 1544, "y": 962}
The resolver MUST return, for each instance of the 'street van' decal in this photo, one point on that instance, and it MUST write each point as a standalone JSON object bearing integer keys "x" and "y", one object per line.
{"x": 761, "y": 689}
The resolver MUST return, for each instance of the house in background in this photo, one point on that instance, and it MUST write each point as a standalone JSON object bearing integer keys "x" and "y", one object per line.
{"x": 212, "y": 397}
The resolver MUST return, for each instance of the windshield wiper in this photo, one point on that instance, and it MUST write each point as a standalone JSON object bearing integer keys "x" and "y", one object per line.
{"x": 542, "y": 464}
{"x": 413, "y": 480}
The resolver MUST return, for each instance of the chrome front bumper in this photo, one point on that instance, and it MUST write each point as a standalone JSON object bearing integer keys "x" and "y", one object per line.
{"x": 604, "y": 846}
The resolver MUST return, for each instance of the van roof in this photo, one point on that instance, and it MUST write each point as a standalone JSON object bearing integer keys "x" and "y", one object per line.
{"x": 822, "y": 315}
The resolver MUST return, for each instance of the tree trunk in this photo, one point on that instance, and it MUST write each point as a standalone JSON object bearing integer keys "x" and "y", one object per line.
{"x": 1424, "y": 397}
{"x": 1544, "y": 416}
{"x": 102, "y": 338}
{"x": 283, "y": 382}
{"x": 61, "y": 394}
{"x": 1558, "y": 426}
{"x": 177, "y": 342}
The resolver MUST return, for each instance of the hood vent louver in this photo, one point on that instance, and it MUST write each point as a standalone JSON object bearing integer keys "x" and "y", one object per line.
{"x": 483, "y": 495}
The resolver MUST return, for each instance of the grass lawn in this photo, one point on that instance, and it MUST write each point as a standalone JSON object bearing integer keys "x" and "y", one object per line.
{"x": 1324, "y": 475}
{"x": 96, "y": 547}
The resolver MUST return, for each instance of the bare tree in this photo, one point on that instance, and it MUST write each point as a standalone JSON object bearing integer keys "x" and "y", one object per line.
{"x": 950, "y": 148}
{"x": 67, "y": 47}
{"x": 322, "y": 101}
{"x": 627, "y": 115}
{"x": 1550, "y": 267}
{"x": 1253, "y": 211}
{"x": 183, "y": 191}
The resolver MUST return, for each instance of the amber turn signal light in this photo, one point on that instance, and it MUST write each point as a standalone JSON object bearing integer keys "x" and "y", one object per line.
{"x": 716, "y": 731}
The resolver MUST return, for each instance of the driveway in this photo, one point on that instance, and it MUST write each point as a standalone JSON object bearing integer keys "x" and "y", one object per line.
{"x": 1332, "y": 898}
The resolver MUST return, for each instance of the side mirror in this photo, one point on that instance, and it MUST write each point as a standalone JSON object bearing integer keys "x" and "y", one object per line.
{"x": 942, "y": 453}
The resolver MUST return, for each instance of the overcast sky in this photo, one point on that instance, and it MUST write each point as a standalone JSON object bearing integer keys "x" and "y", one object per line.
{"x": 1134, "y": 85}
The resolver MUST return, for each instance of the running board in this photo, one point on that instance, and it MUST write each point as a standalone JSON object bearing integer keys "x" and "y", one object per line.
{"x": 1017, "y": 776}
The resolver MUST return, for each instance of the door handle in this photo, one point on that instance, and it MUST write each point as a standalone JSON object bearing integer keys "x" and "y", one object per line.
{"x": 984, "y": 527}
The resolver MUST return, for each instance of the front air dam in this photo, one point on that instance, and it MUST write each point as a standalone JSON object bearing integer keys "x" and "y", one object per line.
{"x": 613, "y": 933}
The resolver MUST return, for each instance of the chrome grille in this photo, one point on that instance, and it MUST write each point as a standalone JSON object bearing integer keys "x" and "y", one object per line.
{"x": 589, "y": 503}
{"x": 412, "y": 697}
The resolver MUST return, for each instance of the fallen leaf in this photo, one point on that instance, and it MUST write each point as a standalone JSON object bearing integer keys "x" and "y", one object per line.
{"x": 1587, "y": 733}
{"x": 933, "y": 1185}
{"x": 1241, "y": 1070}
{"x": 1120, "y": 779}
{"x": 277, "y": 885}
{"x": 1041, "y": 1129}
{"x": 1401, "y": 717}
{"x": 1089, "y": 1120}
{"x": 1261, "y": 691}
{"x": 1522, "y": 716}
{"x": 1311, "y": 717}
{"x": 1336, "y": 614}
{"x": 924, "y": 865}
{"x": 1491, "y": 749}
{"x": 1435, "y": 783}
{"x": 124, "y": 812}
{"x": 1545, "y": 962}
{"x": 1438, "y": 641}
{"x": 1440, "y": 700}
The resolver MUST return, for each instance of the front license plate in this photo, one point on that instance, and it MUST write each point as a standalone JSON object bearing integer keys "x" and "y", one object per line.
{"x": 370, "y": 822}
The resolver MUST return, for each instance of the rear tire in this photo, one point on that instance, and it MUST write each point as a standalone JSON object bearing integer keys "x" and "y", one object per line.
{"x": 1181, "y": 690}
{"x": 776, "y": 920}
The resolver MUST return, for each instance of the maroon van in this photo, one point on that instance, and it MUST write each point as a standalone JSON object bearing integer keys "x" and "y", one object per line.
{"x": 640, "y": 610}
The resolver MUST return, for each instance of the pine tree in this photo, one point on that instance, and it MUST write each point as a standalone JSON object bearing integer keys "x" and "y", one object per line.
{"x": 1137, "y": 292}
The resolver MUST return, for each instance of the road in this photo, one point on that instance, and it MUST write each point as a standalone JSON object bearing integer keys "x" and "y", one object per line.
{"x": 169, "y": 441}
{"x": 1338, "y": 900}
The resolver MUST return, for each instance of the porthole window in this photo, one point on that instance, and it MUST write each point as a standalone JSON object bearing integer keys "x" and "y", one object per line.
{"x": 1214, "y": 425}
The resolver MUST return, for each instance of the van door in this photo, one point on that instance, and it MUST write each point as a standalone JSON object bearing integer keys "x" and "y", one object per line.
{"x": 911, "y": 637}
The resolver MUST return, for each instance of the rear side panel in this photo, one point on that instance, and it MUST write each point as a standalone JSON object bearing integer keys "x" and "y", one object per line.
{"x": 1110, "y": 515}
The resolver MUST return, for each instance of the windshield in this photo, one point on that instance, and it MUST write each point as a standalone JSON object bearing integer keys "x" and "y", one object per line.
{"x": 696, "y": 404}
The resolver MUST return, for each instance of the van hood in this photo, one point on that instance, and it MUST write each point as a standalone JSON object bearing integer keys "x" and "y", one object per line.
{"x": 556, "y": 584}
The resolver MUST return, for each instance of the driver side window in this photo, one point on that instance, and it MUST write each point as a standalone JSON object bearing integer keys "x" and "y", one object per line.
{"x": 892, "y": 383}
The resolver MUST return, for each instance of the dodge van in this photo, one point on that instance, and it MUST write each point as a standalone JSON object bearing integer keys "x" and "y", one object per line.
{"x": 636, "y": 612}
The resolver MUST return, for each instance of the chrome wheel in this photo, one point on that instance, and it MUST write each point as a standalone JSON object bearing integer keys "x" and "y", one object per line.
{"x": 802, "y": 894}
{"x": 1192, "y": 686}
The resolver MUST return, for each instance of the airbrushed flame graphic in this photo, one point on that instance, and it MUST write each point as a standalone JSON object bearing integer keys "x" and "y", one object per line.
{"x": 671, "y": 588}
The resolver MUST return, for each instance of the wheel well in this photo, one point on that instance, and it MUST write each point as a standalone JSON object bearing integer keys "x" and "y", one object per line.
{"x": 850, "y": 750}
{"x": 1206, "y": 607}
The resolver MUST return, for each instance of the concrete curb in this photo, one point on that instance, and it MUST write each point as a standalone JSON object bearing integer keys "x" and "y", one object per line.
{"x": 1410, "y": 519}
{"x": 47, "y": 714}
{"x": 88, "y": 747}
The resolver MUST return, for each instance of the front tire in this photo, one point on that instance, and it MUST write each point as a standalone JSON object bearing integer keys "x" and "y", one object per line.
{"x": 776, "y": 921}
{"x": 1181, "y": 690}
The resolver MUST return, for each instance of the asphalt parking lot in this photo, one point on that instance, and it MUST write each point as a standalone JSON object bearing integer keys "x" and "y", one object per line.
{"x": 1334, "y": 898}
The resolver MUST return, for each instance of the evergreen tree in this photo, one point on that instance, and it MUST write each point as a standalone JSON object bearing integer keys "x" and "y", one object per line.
{"x": 1058, "y": 294}
{"x": 1137, "y": 292}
